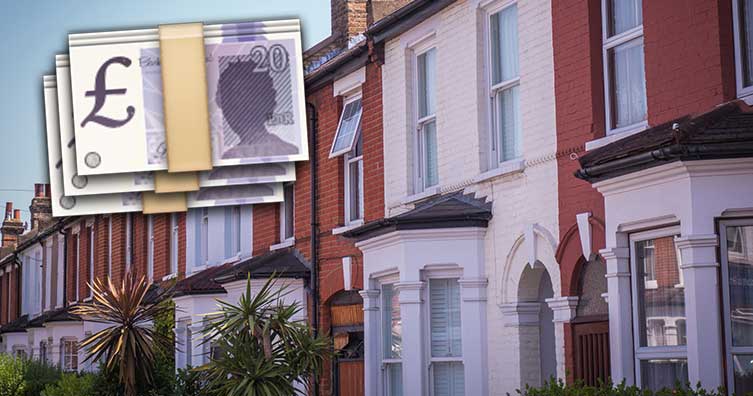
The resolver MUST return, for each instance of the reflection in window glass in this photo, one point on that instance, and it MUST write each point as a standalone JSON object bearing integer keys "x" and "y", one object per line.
{"x": 739, "y": 309}
{"x": 627, "y": 83}
{"x": 661, "y": 298}
{"x": 742, "y": 366}
{"x": 746, "y": 40}
{"x": 392, "y": 323}
{"x": 663, "y": 373}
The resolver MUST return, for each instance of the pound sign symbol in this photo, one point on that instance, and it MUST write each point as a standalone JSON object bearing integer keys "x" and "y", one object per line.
{"x": 100, "y": 93}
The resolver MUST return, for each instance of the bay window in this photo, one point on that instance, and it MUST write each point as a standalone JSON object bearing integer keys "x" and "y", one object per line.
{"x": 743, "y": 32}
{"x": 392, "y": 341}
{"x": 658, "y": 310}
{"x": 69, "y": 355}
{"x": 504, "y": 89}
{"x": 737, "y": 280}
{"x": 446, "y": 345}
{"x": 426, "y": 167}
{"x": 624, "y": 66}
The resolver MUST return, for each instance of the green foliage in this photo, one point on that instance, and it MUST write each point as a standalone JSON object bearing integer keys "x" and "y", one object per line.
{"x": 72, "y": 385}
{"x": 559, "y": 388}
{"x": 192, "y": 383}
{"x": 260, "y": 348}
{"x": 39, "y": 374}
{"x": 12, "y": 376}
{"x": 164, "y": 381}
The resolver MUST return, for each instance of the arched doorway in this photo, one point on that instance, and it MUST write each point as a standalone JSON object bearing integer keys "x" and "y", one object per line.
{"x": 538, "y": 339}
{"x": 346, "y": 312}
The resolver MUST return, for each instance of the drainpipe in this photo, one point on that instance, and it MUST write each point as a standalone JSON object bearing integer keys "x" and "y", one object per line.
{"x": 314, "y": 282}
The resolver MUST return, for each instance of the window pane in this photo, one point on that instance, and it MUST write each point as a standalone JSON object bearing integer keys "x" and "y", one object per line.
{"x": 426, "y": 82}
{"x": 740, "y": 267}
{"x": 663, "y": 373}
{"x": 445, "y": 318}
{"x": 627, "y": 83}
{"x": 289, "y": 205}
{"x": 742, "y": 366}
{"x": 395, "y": 379}
{"x": 661, "y": 297}
{"x": 392, "y": 325}
{"x": 624, "y": 15}
{"x": 508, "y": 116}
{"x": 449, "y": 379}
{"x": 350, "y": 122}
{"x": 355, "y": 174}
{"x": 504, "y": 35}
{"x": 746, "y": 40}
{"x": 429, "y": 135}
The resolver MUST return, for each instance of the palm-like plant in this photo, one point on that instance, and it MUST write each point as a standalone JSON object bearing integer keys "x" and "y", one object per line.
{"x": 259, "y": 348}
{"x": 129, "y": 343}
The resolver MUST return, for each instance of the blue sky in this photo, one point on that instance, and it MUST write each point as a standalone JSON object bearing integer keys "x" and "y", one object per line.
{"x": 32, "y": 32}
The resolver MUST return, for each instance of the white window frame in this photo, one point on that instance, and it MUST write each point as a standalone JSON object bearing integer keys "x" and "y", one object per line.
{"x": 204, "y": 248}
{"x": 109, "y": 246}
{"x": 641, "y": 353}
{"x": 428, "y": 276}
{"x": 150, "y": 247}
{"x": 730, "y": 349}
{"x": 384, "y": 361}
{"x": 494, "y": 144}
{"x": 608, "y": 43}
{"x": 174, "y": 239}
{"x": 737, "y": 24}
{"x": 66, "y": 357}
{"x": 129, "y": 241}
{"x": 78, "y": 264}
{"x": 419, "y": 148}
{"x": 349, "y": 159}
{"x": 91, "y": 261}
{"x": 284, "y": 216}
{"x": 348, "y": 100}
{"x": 235, "y": 229}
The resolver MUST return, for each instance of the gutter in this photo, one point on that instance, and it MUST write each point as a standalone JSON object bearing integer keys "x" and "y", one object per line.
{"x": 663, "y": 155}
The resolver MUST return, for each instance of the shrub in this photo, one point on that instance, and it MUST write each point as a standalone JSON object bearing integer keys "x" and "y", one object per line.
{"x": 11, "y": 376}
{"x": 38, "y": 375}
{"x": 559, "y": 388}
{"x": 191, "y": 383}
{"x": 72, "y": 385}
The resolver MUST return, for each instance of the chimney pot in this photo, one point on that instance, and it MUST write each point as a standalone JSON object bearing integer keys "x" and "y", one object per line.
{"x": 17, "y": 214}
{"x": 8, "y": 210}
{"x": 47, "y": 192}
{"x": 38, "y": 190}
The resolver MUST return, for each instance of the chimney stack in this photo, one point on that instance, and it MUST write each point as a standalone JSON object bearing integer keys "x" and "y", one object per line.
{"x": 41, "y": 207}
{"x": 12, "y": 226}
{"x": 352, "y": 17}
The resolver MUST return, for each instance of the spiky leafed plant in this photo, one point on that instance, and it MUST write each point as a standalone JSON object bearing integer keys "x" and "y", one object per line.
{"x": 260, "y": 347}
{"x": 128, "y": 345}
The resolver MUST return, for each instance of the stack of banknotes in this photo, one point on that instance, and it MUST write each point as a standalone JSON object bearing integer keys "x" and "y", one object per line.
{"x": 106, "y": 125}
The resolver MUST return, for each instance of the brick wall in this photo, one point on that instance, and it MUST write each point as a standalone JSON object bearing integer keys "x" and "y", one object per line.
{"x": 266, "y": 226}
{"x": 689, "y": 54}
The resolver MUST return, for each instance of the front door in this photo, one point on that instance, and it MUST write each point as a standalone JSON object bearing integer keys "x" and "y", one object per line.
{"x": 591, "y": 347}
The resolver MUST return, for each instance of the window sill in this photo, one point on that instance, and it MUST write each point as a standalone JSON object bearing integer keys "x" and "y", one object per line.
{"x": 746, "y": 95}
{"x": 504, "y": 168}
{"x": 168, "y": 277}
{"x": 431, "y": 191}
{"x": 282, "y": 245}
{"x": 347, "y": 227}
{"x": 616, "y": 135}
{"x": 88, "y": 299}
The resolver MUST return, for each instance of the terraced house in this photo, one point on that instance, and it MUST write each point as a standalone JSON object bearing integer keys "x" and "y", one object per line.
{"x": 498, "y": 192}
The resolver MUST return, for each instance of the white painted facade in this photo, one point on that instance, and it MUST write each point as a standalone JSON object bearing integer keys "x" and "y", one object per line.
{"x": 691, "y": 201}
{"x": 502, "y": 269}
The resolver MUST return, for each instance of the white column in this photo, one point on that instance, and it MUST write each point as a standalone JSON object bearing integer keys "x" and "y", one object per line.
{"x": 701, "y": 281}
{"x": 473, "y": 323}
{"x": 371, "y": 324}
{"x": 620, "y": 314}
{"x": 414, "y": 364}
{"x": 564, "y": 311}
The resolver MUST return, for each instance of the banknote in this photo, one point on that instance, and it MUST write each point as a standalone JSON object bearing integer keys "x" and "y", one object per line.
{"x": 63, "y": 205}
{"x": 235, "y": 195}
{"x": 255, "y": 94}
{"x": 75, "y": 184}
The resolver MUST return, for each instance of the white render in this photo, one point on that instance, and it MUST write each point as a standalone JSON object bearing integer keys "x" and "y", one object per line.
{"x": 521, "y": 240}
{"x": 702, "y": 193}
